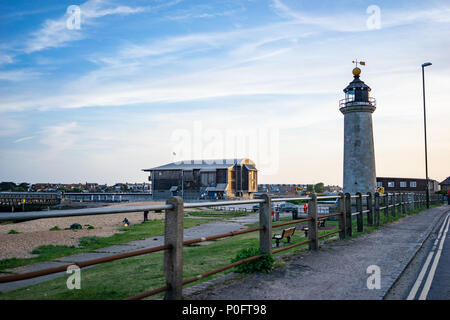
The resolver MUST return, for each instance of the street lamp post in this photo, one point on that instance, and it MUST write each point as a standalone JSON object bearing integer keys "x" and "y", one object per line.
{"x": 427, "y": 188}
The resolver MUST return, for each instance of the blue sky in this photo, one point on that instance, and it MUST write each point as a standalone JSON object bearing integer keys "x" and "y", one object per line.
{"x": 102, "y": 102}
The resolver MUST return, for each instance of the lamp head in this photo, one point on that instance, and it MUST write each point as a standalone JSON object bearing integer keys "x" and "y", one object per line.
{"x": 426, "y": 64}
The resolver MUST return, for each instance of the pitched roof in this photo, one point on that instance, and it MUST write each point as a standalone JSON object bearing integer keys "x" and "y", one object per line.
{"x": 445, "y": 182}
{"x": 199, "y": 164}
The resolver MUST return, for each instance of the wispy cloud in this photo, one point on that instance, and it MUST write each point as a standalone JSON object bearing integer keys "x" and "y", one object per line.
{"x": 23, "y": 139}
{"x": 19, "y": 75}
{"x": 59, "y": 137}
{"x": 6, "y": 58}
{"x": 354, "y": 21}
{"x": 54, "y": 32}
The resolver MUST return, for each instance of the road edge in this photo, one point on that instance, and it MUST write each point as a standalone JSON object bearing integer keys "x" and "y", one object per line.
{"x": 419, "y": 246}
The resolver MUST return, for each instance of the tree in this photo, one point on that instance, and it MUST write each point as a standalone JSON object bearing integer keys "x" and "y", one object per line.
{"x": 319, "y": 187}
{"x": 310, "y": 188}
{"x": 7, "y": 186}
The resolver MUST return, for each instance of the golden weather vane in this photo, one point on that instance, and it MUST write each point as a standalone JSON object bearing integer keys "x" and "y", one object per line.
{"x": 357, "y": 71}
{"x": 361, "y": 63}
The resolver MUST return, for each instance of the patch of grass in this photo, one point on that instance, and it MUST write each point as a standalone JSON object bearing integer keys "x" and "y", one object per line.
{"x": 135, "y": 232}
{"x": 124, "y": 278}
{"x": 12, "y": 231}
{"x": 386, "y": 219}
{"x": 297, "y": 202}
{"x": 55, "y": 228}
{"x": 51, "y": 251}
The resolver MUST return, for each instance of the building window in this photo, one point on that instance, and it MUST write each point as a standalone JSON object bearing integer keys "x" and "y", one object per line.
{"x": 402, "y": 184}
{"x": 379, "y": 184}
{"x": 391, "y": 184}
{"x": 413, "y": 184}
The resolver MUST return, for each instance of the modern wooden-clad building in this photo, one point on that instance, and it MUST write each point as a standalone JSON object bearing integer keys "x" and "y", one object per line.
{"x": 205, "y": 179}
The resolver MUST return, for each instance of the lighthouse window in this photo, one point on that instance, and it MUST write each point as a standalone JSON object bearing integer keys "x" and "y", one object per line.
{"x": 350, "y": 95}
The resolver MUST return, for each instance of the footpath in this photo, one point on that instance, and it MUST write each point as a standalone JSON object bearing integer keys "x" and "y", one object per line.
{"x": 338, "y": 270}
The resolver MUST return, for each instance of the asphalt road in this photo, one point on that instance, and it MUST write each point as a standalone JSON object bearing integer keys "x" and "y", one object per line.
{"x": 427, "y": 277}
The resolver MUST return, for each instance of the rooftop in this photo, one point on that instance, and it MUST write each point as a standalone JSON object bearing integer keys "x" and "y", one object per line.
{"x": 203, "y": 164}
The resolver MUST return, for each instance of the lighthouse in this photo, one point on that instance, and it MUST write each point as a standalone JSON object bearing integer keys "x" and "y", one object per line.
{"x": 359, "y": 154}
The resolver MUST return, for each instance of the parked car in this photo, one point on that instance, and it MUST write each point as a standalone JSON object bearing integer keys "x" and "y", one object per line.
{"x": 287, "y": 207}
{"x": 255, "y": 208}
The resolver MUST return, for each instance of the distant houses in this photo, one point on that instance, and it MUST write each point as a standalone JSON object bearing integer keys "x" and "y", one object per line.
{"x": 89, "y": 187}
{"x": 393, "y": 184}
{"x": 445, "y": 185}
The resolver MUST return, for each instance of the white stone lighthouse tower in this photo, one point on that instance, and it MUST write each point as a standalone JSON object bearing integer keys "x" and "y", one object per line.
{"x": 359, "y": 155}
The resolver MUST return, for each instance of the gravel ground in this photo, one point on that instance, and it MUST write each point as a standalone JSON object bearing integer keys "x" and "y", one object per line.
{"x": 36, "y": 232}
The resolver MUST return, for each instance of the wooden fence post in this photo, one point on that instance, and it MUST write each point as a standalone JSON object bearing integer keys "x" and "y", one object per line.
{"x": 341, "y": 217}
{"x": 370, "y": 208}
{"x": 404, "y": 203}
{"x": 414, "y": 206}
{"x": 408, "y": 208}
{"x": 393, "y": 204}
{"x": 265, "y": 220}
{"x": 386, "y": 205}
{"x": 359, "y": 216}
{"x": 173, "y": 257}
{"x": 313, "y": 230}
{"x": 348, "y": 214}
{"x": 377, "y": 209}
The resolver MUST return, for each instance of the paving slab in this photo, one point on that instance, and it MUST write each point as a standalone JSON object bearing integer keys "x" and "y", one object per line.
{"x": 5, "y": 287}
{"x": 147, "y": 243}
{"x": 119, "y": 248}
{"x": 339, "y": 270}
{"x": 85, "y": 256}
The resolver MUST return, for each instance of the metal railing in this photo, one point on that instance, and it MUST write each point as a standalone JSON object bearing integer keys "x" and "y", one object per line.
{"x": 174, "y": 226}
{"x": 351, "y": 101}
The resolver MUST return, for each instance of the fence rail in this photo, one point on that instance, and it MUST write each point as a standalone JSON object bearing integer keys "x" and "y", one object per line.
{"x": 396, "y": 203}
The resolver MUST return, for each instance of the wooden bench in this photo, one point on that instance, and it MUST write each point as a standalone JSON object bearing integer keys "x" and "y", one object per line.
{"x": 287, "y": 233}
{"x": 321, "y": 222}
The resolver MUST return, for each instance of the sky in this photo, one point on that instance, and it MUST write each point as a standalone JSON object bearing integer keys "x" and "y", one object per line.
{"x": 97, "y": 90}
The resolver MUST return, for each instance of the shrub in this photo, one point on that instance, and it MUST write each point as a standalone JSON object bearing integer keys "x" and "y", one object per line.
{"x": 89, "y": 226}
{"x": 264, "y": 264}
{"x": 55, "y": 228}
{"x": 12, "y": 231}
{"x": 76, "y": 226}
